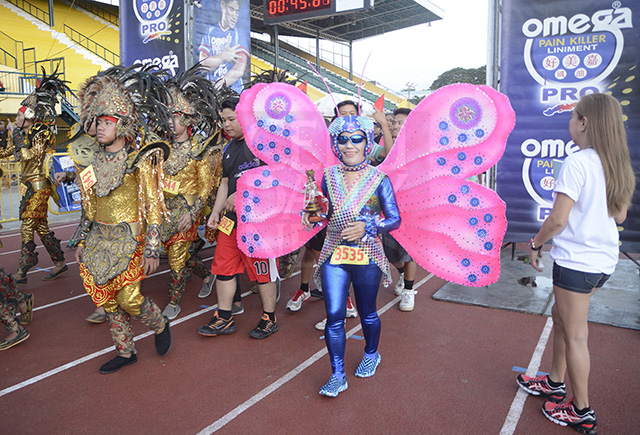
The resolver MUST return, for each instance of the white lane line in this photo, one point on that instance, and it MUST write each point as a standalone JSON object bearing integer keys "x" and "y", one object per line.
{"x": 108, "y": 349}
{"x": 98, "y": 353}
{"x": 517, "y": 405}
{"x": 62, "y": 301}
{"x": 224, "y": 420}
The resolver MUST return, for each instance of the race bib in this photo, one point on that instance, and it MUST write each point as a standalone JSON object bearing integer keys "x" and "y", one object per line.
{"x": 226, "y": 225}
{"x": 22, "y": 189}
{"x": 88, "y": 177}
{"x": 173, "y": 187}
{"x": 349, "y": 255}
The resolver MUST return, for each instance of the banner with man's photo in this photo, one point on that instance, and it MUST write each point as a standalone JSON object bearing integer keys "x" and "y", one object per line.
{"x": 153, "y": 31}
{"x": 222, "y": 40}
{"x": 554, "y": 52}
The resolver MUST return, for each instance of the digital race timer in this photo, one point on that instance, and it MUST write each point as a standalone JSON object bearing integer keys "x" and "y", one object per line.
{"x": 278, "y": 11}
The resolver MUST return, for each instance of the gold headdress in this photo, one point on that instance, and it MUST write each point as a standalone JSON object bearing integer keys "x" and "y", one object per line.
{"x": 194, "y": 97}
{"x": 40, "y": 105}
{"x": 137, "y": 99}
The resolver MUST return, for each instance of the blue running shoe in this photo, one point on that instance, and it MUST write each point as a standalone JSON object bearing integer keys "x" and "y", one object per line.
{"x": 334, "y": 387}
{"x": 367, "y": 367}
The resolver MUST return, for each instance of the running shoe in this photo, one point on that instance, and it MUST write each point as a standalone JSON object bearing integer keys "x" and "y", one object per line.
{"x": 334, "y": 387}
{"x": 408, "y": 300}
{"x": 399, "y": 285}
{"x": 265, "y": 328}
{"x": 295, "y": 303}
{"x": 565, "y": 414}
{"x": 207, "y": 287}
{"x": 321, "y": 324}
{"x": 218, "y": 326}
{"x": 237, "y": 308}
{"x": 368, "y": 366}
{"x": 539, "y": 386}
{"x": 171, "y": 311}
{"x": 351, "y": 310}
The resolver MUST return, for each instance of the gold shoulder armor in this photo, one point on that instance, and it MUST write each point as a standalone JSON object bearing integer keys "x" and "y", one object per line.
{"x": 203, "y": 146}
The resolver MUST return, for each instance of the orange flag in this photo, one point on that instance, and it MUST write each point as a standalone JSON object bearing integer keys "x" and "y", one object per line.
{"x": 379, "y": 104}
{"x": 302, "y": 86}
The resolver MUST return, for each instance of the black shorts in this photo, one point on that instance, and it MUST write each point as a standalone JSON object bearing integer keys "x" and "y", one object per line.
{"x": 317, "y": 241}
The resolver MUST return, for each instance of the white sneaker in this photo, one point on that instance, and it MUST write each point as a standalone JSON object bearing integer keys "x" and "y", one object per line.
{"x": 295, "y": 303}
{"x": 351, "y": 310}
{"x": 320, "y": 325}
{"x": 408, "y": 300}
{"x": 399, "y": 285}
{"x": 171, "y": 311}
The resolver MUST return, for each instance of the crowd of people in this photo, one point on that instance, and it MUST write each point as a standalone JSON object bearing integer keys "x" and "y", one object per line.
{"x": 153, "y": 165}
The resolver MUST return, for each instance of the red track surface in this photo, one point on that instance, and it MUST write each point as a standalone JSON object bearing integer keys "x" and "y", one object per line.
{"x": 446, "y": 369}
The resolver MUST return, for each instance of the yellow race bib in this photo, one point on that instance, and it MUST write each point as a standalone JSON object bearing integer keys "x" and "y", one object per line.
{"x": 226, "y": 225}
{"x": 349, "y": 255}
{"x": 88, "y": 177}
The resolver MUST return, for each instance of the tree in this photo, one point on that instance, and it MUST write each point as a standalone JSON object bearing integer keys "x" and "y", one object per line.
{"x": 475, "y": 76}
{"x": 415, "y": 100}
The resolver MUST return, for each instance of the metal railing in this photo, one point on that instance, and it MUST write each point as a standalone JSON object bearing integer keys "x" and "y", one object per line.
{"x": 18, "y": 83}
{"x": 91, "y": 45}
{"x": 51, "y": 65}
{"x": 7, "y": 58}
{"x": 18, "y": 49}
{"x": 97, "y": 10}
{"x": 32, "y": 10}
{"x": 9, "y": 197}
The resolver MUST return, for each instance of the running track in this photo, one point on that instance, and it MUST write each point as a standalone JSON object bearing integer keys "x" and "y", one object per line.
{"x": 446, "y": 369}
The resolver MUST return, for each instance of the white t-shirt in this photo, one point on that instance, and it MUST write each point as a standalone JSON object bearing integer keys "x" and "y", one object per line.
{"x": 589, "y": 240}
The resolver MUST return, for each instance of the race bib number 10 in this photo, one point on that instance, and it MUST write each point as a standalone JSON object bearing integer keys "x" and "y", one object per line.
{"x": 349, "y": 255}
{"x": 226, "y": 225}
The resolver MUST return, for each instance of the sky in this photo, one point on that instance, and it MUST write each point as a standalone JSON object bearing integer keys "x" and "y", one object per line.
{"x": 421, "y": 53}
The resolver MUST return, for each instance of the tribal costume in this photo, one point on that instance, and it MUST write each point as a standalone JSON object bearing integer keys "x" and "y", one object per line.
{"x": 10, "y": 298}
{"x": 123, "y": 204}
{"x": 30, "y": 146}
{"x": 188, "y": 177}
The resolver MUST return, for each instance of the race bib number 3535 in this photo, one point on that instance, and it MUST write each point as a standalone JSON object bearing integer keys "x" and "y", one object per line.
{"x": 349, "y": 255}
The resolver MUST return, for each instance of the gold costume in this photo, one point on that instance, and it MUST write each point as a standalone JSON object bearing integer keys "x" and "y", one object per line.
{"x": 188, "y": 176}
{"x": 122, "y": 200}
{"x": 187, "y": 184}
{"x": 30, "y": 149}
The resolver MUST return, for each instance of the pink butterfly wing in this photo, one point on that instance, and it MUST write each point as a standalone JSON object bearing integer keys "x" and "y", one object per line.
{"x": 268, "y": 203}
{"x": 284, "y": 129}
{"x": 450, "y": 226}
{"x": 282, "y": 125}
{"x": 453, "y": 228}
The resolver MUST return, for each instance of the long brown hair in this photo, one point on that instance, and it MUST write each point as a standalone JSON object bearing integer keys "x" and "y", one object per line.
{"x": 606, "y": 135}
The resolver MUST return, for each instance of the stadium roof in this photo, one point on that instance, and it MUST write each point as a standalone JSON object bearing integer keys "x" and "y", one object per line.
{"x": 386, "y": 16}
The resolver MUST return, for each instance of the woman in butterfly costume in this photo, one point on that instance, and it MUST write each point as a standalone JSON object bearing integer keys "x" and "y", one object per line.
{"x": 449, "y": 225}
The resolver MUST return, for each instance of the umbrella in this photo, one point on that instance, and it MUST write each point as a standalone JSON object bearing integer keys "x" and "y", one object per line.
{"x": 327, "y": 104}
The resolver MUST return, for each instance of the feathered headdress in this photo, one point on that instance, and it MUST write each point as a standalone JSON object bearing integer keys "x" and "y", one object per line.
{"x": 40, "y": 105}
{"x": 194, "y": 97}
{"x": 137, "y": 99}
{"x": 272, "y": 76}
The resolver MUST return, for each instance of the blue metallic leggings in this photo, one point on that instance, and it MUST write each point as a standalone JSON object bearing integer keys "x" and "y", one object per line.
{"x": 336, "y": 280}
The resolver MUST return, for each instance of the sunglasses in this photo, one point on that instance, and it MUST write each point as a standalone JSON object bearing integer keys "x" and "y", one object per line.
{"x": 355, "y": 139}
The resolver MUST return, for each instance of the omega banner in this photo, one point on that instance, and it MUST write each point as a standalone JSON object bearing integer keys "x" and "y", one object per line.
{"x": 554, "y": 52}
{"x": 153, "y": 31}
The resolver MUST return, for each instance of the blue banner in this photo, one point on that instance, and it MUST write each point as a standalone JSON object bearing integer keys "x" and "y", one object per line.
{"x": 153, "y": 31}
{"x": 222, "y": 40}
{"x": 69, "y": 193}
{"x": 554, "y": 52}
